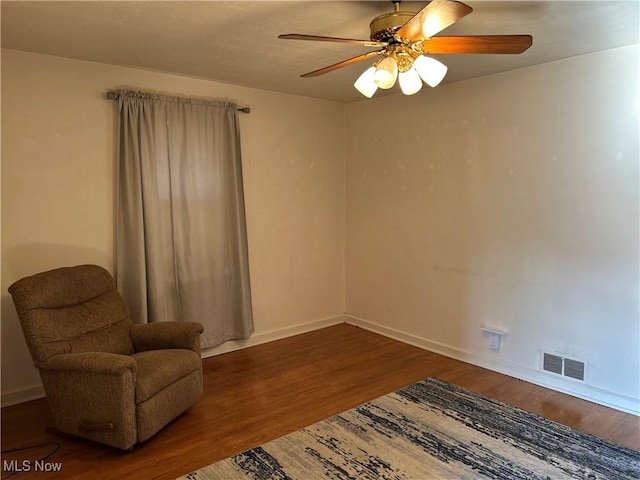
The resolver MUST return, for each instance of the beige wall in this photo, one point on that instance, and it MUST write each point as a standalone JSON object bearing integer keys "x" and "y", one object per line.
{"x": 58, "y": 190}
{"x": 509, "y": 200}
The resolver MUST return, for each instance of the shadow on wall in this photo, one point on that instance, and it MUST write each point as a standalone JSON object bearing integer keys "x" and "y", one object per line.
{"x": 18, "y": 372}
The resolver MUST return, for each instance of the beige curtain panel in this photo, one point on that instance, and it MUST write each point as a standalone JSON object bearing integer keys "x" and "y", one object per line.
{"x": 181, "y": 243}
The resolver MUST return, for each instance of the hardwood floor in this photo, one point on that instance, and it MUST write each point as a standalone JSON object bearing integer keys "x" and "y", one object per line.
{"x": 260, "y": 393}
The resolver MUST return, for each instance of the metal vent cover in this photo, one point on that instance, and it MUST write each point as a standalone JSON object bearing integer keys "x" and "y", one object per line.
{"x": 552, "y": 363}
{"x": 567, "y": 367}
{"x": 574, "y": 369}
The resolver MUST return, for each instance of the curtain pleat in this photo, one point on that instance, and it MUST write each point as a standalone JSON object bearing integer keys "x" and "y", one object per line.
{"x": 181, "y": 242}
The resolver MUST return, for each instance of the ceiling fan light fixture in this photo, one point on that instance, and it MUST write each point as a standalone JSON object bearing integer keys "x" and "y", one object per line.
{"x": 404, "y": 39}
{"x": 430, "y": 70}
{"x": 386, "y": 73}
{"x": 365, "y": 83}
{"x": 410, "y": 81}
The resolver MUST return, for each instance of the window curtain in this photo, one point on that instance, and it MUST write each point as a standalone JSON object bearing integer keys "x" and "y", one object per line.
{"x": 181, "y": 239}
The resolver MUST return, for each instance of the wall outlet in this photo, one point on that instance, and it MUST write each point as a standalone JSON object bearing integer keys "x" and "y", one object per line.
{"x": 495, "y": 336}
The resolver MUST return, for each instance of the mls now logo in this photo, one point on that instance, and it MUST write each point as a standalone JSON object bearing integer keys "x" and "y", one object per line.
{"x": 29, "y": 466}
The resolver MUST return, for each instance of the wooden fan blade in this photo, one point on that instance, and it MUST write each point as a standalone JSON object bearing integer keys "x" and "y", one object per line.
{"x": 478, "y": 44}
{"x": 344, "y": 63}
{"x": 318, "y": 38}
{"x": 435, "y": 17}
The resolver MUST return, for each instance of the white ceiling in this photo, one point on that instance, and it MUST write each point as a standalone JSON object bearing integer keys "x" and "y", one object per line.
{"x": 236, "y": 42}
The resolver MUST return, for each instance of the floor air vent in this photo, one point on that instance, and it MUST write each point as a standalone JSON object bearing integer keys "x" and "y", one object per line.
{"x": 567, "y": 367}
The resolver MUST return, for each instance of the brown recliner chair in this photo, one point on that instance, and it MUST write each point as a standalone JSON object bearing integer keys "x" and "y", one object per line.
{"x": 106, "y": 379}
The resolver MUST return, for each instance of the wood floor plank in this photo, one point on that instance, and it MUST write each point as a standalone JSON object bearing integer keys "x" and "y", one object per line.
{"x": 261, "y": 393}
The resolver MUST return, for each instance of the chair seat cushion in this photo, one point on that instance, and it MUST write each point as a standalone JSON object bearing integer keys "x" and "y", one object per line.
{"x": 157, "y": 369}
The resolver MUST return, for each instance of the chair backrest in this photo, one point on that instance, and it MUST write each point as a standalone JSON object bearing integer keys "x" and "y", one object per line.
{"x": 72, "y": 310}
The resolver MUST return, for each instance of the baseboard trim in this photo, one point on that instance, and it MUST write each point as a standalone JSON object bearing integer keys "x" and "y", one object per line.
{"x": 273, "y": 335}
{"x": 20, "y": 396}
{"x": 585, "y": 392}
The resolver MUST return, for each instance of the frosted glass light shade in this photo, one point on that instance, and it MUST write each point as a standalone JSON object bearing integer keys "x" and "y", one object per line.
{"x": 410, "y": 82}
{"x": 430, "y": 70}
{"x": 386, "y": 74}
{"x": 365, "y": 83}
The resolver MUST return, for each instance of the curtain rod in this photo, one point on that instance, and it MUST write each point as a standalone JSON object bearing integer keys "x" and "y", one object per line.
{"x": 114, "y": 95}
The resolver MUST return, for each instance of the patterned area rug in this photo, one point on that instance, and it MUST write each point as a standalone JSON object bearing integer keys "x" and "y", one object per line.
{"x": 431, "y": 430}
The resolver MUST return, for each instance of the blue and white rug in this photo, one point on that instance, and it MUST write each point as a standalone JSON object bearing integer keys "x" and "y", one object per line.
{"x": 431, "y": 430}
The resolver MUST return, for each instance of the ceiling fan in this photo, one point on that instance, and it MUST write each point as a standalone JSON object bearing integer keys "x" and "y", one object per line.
{"x": 405, "y": 38}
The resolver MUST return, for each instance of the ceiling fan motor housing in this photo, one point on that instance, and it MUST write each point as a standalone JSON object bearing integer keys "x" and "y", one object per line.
{"x": 384, "y": 27}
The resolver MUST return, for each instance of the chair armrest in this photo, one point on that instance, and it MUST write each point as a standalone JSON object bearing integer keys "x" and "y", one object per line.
{"x": 89, "y": 362}
{"x": 92, "y": 395}
{"x": 165, "y": 335}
